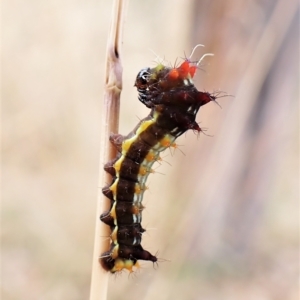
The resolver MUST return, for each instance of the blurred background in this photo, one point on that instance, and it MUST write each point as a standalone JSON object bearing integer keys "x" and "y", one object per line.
{"x": 222, "y": 211}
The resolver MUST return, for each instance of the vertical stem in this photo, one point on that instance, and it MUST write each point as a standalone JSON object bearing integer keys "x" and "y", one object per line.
{"x": 110, "y": 123}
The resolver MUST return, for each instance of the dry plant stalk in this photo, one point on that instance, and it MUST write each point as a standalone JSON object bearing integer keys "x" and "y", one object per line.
{"x": 110, "y": 123}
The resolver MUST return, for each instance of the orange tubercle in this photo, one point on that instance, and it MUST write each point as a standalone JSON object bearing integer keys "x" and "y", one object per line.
{"x": 192, "y": 70}
{"x": 142, "y": 171}
{"x": 173, "y": 74}
{"x": 165, "y": 142}
{"x": 150, "y": 156}
{"x": 136, "y": 209}
{"x": 137, "y": 189}
{"x": 184, "y": 69}
{"x": 174, "y": 145}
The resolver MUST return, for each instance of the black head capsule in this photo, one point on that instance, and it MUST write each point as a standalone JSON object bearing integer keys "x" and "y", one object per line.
{"x": 142, "y": 84}
{"x": 142, "y": 79}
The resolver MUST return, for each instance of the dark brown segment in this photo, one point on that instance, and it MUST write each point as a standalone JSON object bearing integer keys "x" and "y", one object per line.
{"x": 125, "y": 190}
{"x": 138, "y": 150}
{"x": 180, "y": 97}
{"x": 172, "y": 117}
{"x": 127, "y": 213}
{"x": 152, "y": 135}
{"x": 129, "y": 234}
{"x": 135, "y": 253}
{"x": 129, "y": 169}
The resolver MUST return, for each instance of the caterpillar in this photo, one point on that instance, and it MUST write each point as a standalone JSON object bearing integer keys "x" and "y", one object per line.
{"x": 174, "y": 102}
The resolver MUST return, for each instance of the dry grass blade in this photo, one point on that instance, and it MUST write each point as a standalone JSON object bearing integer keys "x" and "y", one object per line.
{"x": 110, "y": 123}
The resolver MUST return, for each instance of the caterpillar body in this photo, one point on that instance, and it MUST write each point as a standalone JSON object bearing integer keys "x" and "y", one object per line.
{"x": 174, "y": 102}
